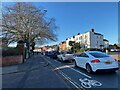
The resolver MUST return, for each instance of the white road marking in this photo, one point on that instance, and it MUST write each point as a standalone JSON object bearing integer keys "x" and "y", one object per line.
{"x": 57, "y": 61}
{"x": 70, "y": 80}
{"x": 89, "y": 83}
{"x": 66, "y": 77}
{"x": 81, "y": 73}
{"x": 86, "y": 83}
{"x": 63, "y": 67}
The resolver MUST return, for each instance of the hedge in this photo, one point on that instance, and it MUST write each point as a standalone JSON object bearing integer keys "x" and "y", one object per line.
{"x": 10, "y": 52}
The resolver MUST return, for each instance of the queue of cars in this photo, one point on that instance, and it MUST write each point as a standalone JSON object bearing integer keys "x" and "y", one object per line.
{"x": 52, "y": 54}
{"x": 62, "y": 56}
{"x": 92, "y": 61}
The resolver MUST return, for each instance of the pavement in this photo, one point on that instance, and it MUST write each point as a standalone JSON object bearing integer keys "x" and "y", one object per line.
{"x": 24, "y": 66}
{"x": 36, "y": 72}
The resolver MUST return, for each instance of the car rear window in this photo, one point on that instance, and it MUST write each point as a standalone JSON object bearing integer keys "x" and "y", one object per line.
{"x": 99, "y": 55}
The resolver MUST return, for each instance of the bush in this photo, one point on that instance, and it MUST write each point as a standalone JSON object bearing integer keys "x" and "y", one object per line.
{"x": 94, "y": 49}
{"x": 81, "y": 50}
{"x": 10, "y": 52}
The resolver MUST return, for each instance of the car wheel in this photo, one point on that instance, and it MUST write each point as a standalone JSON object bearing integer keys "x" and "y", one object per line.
{"x": 75, "y": 64}
{"x": 113, "y": 71}
{"x": 88, "y": 68}
{"x": 70, "y": 61}
{"x": 61, "y": 59}
{"x": 58, "y": 58}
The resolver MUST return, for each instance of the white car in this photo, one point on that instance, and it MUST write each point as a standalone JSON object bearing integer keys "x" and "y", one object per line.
{"x": 114, "y": 50}
{"x": 94, "y": 61}
{"x": 65, "y": 55}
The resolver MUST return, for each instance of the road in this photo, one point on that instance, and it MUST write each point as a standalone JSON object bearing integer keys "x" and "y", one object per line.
{"x": 75, "y": 74}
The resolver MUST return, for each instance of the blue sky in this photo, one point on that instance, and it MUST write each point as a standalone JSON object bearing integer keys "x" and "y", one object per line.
{"x": 80, "y": 17}
{"x": 73, "y": 18}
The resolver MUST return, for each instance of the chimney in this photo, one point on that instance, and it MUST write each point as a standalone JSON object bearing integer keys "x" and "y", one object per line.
{"x": 92, "y": 30}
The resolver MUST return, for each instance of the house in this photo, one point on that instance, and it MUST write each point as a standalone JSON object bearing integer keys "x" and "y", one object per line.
{"x": 105, "y": 43}
{"x": 89, "y": 39}
{"x": 47, "y": 48}
{"x": 62, "y": 46}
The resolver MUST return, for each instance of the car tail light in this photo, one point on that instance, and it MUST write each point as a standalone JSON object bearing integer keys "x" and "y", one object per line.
{"x": 95, "y": 61}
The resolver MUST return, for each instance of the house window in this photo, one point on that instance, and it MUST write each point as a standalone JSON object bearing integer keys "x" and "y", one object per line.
{"x": 81, "y": 37}
{"x": 85, "y": 37}
{"x": 85, "y": 41}
{"x": 97, "y": 42}
{"x": 77, "y": 38}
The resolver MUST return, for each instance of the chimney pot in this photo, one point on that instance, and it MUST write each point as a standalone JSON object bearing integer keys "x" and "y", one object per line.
{"x": 92, "y": 30}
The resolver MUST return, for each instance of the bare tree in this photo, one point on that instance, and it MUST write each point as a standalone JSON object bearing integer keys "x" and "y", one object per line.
{"x": 26, "y": 22}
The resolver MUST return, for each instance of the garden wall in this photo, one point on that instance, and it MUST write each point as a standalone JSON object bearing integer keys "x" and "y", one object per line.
{"x": 11, "y": 60}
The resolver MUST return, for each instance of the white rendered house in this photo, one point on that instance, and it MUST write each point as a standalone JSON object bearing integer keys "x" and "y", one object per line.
{"x": 89, "y": 39}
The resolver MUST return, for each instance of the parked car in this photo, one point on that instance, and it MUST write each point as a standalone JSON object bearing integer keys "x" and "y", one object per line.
{"x": 94, "y": 61}
{"x": 65, "y": 56}
{"x": 114, "y": 50}
{"x": 48, "y": 53}
{"x": 54, "y": 54}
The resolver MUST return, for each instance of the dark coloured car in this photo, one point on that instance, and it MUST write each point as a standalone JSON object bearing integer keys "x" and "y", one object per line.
{"x": 54, "y": 54}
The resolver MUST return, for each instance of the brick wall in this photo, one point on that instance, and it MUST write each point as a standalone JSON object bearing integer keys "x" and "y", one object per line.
{"x": 11, "y": 60}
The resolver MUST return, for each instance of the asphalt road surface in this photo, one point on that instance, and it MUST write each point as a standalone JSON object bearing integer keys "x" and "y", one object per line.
{"x": 81, "y": 79}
